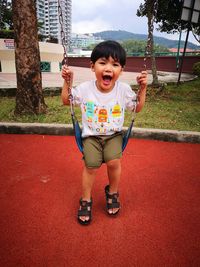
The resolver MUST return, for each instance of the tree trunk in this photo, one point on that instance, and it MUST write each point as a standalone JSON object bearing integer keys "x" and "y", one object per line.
{"x": 150, "y": 16}
{"x": 29, "y": 96}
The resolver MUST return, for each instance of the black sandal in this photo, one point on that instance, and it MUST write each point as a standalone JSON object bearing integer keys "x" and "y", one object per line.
{"x": 115, "y": 204}
{"x": 85, "y": 210}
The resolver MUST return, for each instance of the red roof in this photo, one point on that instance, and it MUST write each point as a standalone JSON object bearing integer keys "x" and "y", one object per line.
{"x": 174, "y": 50}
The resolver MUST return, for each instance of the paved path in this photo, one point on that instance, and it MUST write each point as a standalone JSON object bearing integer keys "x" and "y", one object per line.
{"x": 39, "y": 192}
{"x": 8, "y": 80}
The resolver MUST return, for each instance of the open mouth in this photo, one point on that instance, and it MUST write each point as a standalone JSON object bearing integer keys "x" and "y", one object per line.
{"x": 107, "y": 78}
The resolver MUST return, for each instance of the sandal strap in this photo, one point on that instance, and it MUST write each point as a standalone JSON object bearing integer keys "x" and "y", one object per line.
{"x": 115, "y": 205}
{"x": 84, "y": 208}
{"x": 114, "y": 197}
{"x": 84, "y": 213}
{"x": 85, "y": 203}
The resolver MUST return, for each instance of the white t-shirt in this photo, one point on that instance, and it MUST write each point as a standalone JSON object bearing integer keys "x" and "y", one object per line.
{"x": 103, "y": 113}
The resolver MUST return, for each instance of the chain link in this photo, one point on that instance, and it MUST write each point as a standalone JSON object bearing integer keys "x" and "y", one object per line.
{"x": 64, "y": 44}
{"x": 63, "y": 40}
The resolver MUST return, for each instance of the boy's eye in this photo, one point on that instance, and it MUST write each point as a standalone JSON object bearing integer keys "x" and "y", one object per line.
{"x": 101, "y": 62}
{"x": 116, "y": 64}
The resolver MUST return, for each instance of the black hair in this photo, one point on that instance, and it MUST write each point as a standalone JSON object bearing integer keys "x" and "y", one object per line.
{"x": 109, "y": 49}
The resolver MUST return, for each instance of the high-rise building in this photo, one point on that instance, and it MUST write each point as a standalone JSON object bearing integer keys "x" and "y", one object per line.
{"x": 48, "y": 16}
{"x": 84, "y": 40}
{"x": 41, "y": 15}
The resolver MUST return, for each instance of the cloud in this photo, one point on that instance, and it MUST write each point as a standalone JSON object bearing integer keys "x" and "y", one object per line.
{"x": 90, "y": 26}
{"x": 99, "y": 14}
{"x": 81, "y": 9}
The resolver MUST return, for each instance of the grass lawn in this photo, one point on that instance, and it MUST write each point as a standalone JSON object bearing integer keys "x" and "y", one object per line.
{"x": 175, "y": 107}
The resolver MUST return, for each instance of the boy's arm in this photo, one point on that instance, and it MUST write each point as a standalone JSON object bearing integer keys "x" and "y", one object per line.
{"x": 142, "y": 81}
{"x": 65, "y": 94}
{"x": 67, "y": 75}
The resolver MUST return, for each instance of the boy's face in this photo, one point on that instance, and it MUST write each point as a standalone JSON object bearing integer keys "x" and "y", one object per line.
{"x": 107, "y": 72}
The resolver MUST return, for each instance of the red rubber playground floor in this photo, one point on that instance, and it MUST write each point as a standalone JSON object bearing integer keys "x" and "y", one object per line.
{"x": 40, "y": 185}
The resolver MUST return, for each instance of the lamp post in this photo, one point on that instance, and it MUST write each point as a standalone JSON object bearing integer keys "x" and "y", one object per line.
{"x": 191, "y": 14}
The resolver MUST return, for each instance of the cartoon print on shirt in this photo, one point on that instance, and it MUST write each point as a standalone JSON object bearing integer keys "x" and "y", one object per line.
{"x": 89, "y": 110}
{"x": 100, "y": 119}
{"x": 116, "y": 111}
{"x": 103, "y": 115}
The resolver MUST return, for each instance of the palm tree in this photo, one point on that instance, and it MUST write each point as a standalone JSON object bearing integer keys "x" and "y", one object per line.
{"x": 29, "y": 96}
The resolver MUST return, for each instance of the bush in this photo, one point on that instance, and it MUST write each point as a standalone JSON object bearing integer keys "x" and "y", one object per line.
{"x": 196, "y": 69}
{"x": 7, "y": 34}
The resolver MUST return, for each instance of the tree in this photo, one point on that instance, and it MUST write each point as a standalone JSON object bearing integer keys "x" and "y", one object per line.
{"x": 134, "y": 47}
{"x": 196, "y": 33}
{"x": 169, "y": 20}
{"x": 149, "y": 9}
{"x": 29, "y": 96}
{"x": 6, "y": 15}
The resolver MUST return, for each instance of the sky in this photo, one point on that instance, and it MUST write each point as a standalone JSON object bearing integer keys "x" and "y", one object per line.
{"x": 99, "y": 15}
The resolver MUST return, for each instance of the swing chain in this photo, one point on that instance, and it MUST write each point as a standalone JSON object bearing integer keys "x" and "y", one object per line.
{"x": 65, "y": 57}
{"x": 63, "y": 40}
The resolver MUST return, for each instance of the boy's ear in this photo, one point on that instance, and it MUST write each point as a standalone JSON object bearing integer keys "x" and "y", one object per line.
{"x": 92, "y": 65}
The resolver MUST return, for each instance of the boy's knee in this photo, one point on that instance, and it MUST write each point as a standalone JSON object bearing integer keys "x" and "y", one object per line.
{"x": 92, "y": 164}
{"x": 113, "y": 164}
{"x": 91, "y": 170}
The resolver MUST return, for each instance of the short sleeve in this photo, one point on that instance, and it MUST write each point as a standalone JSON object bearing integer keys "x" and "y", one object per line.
{"x": 130, "y": 98}
{"x": 76, "y": 93}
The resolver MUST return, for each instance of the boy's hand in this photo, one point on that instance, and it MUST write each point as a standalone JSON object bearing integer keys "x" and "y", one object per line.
{"x": 67, "y": 74}
{"x": 142, "y": 79}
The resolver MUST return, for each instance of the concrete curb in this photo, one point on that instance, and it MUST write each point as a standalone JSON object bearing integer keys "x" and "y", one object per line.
{"x": 67, "y": 129}
{"x": 47, "y": 91}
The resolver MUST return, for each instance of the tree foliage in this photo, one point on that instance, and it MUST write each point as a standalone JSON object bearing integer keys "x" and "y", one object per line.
{"x": 168, "y": 17}
{"x": 133, "y": 47}
{"x": 136, "y": 47}
{"x": 6, "y": 23}
{"x": 6, "y": 15}
{"x": 7, "y": 34}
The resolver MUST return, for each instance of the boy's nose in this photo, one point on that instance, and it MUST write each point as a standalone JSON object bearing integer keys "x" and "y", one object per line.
{"x": 108, "y": 67}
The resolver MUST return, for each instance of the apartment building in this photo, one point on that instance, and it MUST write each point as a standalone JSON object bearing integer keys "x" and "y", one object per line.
{"x": 48, "y": 16}
{"x": 84, "y": 40}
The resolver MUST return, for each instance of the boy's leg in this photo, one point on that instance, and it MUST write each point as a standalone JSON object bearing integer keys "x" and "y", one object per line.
{"x": 112, "y": 155}
{"x": 93, "y": 160}
{"x": 88, "y": 178}
{"x": 114, "y": 174}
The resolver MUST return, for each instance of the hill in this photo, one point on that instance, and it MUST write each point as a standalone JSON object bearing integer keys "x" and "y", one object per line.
{"x": 124, "y": 35}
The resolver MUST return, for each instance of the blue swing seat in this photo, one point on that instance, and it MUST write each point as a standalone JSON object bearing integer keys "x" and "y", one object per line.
{"x": 78, "y": 131}
{"x": 127, "y": 135}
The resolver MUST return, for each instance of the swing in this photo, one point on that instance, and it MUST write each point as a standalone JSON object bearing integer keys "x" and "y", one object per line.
{"x": 76, "y": 126}
{"x": 78, "y": 131}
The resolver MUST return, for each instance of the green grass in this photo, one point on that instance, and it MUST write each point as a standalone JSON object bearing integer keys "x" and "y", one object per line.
{"x": 174, "y": 107}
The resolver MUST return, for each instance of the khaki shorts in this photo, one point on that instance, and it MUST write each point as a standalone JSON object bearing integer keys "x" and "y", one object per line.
{"x": 99, "y": 149}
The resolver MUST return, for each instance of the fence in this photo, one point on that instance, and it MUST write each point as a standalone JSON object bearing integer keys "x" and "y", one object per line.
{"x": 135, "y": 64}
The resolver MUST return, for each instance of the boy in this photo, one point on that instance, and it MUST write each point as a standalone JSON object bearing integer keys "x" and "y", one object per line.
{"x": 103, "y": 102}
